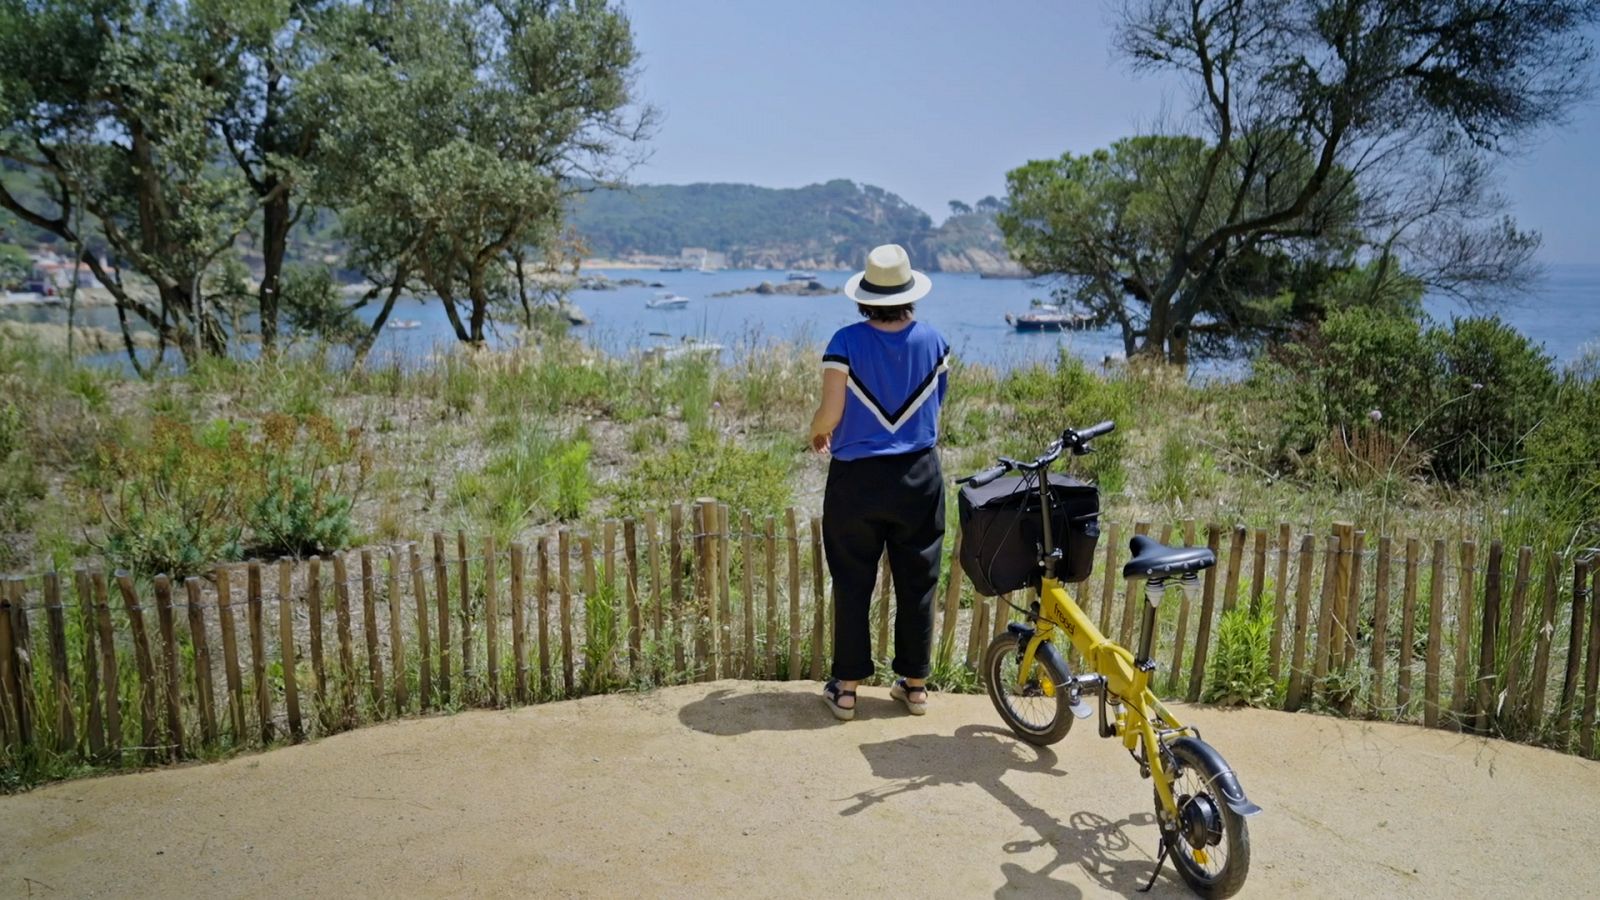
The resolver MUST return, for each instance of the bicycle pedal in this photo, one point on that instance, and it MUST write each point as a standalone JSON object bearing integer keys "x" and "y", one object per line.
{"x": 1081, "y": 710}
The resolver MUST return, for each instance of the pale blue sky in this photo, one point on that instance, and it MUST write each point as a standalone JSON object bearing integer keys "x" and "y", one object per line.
{"x": 936, "y": 100}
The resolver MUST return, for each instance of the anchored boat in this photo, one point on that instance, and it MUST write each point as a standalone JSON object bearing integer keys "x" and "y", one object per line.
{"x": 1048, "y": 321}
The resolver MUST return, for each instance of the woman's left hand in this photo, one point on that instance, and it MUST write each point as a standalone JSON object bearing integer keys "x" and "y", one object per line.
{"x": 821, "y": 442}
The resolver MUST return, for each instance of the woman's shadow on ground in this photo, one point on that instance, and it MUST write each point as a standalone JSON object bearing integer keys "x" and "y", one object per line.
{"x": 725, "y": 712}
{"x": 984, "y": 756}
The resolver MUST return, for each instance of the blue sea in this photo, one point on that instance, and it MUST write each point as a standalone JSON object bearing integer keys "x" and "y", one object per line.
{"x": 1561, "y": 312}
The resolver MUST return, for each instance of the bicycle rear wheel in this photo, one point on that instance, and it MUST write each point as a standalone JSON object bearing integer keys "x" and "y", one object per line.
{"x": 1037, "y": 709}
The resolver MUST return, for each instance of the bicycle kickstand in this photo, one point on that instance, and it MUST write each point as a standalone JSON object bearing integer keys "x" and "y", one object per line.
{"x": 1161, "y": 858}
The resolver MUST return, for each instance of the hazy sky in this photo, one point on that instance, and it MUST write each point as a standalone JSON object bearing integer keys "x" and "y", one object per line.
{"x": 936, "y": 100}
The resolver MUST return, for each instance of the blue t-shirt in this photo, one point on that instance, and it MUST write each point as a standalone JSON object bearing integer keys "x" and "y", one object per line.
{"x": 895, "y": 382}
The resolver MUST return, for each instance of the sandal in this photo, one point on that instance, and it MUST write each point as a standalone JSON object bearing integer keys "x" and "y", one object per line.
{"x": 904, "y": 692}
{"x": 832, "y": 693}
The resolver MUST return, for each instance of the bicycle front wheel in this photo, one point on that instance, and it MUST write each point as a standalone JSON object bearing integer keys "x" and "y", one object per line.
{"x": 1037, "y": 707}
{"x": 1210, "y": 842}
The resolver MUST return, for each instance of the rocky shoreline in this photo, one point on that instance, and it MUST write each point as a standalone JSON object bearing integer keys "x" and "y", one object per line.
{"x": 786, "y": 289}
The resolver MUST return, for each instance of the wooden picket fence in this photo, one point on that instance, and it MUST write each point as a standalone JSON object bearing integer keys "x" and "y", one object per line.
{"x": 329, "y": 644}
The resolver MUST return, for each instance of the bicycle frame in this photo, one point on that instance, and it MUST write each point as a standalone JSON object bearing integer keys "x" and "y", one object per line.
{"x": 1124, "y": 682}
{"x": 1139, "y": 709}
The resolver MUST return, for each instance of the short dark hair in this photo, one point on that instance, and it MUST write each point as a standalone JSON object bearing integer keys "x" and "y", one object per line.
{"x": 887, "y": 313}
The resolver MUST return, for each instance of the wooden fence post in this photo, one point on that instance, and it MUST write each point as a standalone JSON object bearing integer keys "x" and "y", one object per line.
{"x": 170, "y": 666}
{"x": 770, "y": 548}
{"x": 676, "y": 565}
{"x": 590, "y": 589}
{"x": 441, "y": 596}
{"x": 1295, "y": 694}
{"x": 1280, "y": 602}
{"x": 1340, "y": 627}
{"x": 1108, "y": 587}
{"x": 1591, "y": 677}
{"x": 291, "y": 688}
{"x": 1378, "y": 652}
{"x": 1130, "y": 599}
{"x": 630, "y": 553}
{"x": 397, "y": 645}
{"x": 369, "y": 630}
{"x": 1430, "y": 698}
{"x": 1208, "y": 599}
{"x": 1460, "y": 697}
{"x": 728, "y": 653}
{"x": 106, "y": 644}
{"x": 1569, "y": 684}
{"x": 344, "y": 630}
{"x": 794, "y": 593}
{"x": 1325, "y": 617}
{"x": 1408, "y": 628}
{"x": 1258, "y": 572}
{"x": 95, "y": 737}
{"x": 546, "y": 679}
{"x": 10, "y": 684}
{"x": 258, "y": 652}
{"x": 652, "y": 545}
{"x": 22, "y": 632}
{"x": 519, "y": 638}
{"x": 60, "y": 673}
{"x": 564, "y": 570}
{"x": 204, "y": 695}
{"x": 419, "y": 594}
{"x": 1510, "y": 715}
{"x": 704, "y": 605}
{"x": 491, "y": 619}
{"x": 1485, "y": 682}
{"x": 1230, "y": 591}
{"x": 747, "y": 566}
{"x": 1543, "y": 632}
{"x": 818, "y": 598}
{"x": 469, "y": 687}
{"x": 230, "y": 656}
{"x": 319, "y": 669}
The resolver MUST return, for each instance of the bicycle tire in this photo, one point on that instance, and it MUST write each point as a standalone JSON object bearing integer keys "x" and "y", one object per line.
{"x": 1000, "y": 683}
{"x": 1229, "y": 877}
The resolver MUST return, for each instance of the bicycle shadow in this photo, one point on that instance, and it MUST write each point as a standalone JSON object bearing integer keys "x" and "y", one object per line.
{"x": 725, "y": 713}
{"x": 984, "y": 755}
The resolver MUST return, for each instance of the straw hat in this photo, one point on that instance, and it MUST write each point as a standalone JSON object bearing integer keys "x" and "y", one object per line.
{"x": 888, "y": 280}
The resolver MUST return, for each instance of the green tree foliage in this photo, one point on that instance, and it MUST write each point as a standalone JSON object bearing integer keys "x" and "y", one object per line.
{"x": 1563, "y": 456}
{"x": 1108, "y": 219}
{"x": 470, "y": 122}
{"x": 1305, "y": 113}
{"x": 14, "y": 265}
{"x": 833, "y": 224}
{"x": 109, "y": 109}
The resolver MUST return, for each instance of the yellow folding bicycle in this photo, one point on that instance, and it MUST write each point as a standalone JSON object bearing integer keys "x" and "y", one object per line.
{"x": 1199, "y": 803}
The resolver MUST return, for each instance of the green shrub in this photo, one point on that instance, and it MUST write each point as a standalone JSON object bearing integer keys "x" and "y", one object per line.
{"x": 745, "y": 478}
{"x": 312, "y": 476}
{"x": 1495, "y": 387}
{"x": 1045, "y": 401}
{"x": 1563, "y": 470}
{"x": 1239, "y": 671}
{"x": 534, "y": 477}
{"x": 177, "y": 499}
{"x": 20, "y": 485}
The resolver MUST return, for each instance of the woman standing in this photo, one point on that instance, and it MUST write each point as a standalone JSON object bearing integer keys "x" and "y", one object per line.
{"x": 883, "y": 382}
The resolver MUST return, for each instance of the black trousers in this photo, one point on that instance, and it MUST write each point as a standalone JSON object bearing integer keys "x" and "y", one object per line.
{"x": 893, "y": 503}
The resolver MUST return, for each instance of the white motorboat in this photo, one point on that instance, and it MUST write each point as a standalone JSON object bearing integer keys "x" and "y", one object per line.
{"x": 667, "y": 300}
{"x": 802, "y": 276}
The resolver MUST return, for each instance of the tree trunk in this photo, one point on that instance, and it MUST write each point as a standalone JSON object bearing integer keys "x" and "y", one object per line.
{"x": 274, "y": 246}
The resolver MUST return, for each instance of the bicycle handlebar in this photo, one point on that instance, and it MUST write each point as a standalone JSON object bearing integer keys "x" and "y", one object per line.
{"x": 1074, "y": 439}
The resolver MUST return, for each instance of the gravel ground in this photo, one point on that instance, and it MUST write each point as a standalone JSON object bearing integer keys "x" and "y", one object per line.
{"x": 737, "y": 789}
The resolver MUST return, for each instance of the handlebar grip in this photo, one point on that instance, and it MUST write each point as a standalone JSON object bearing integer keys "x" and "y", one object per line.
{"x": 984, "y": 477}
{"x": 1094, "y": 431}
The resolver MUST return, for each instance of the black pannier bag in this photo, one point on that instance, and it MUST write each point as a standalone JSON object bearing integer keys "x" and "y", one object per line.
{"x": 1001, "y": 532}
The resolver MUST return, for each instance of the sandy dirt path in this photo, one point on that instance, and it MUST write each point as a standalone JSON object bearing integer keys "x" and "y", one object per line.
{"x": 753, "y": 790}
